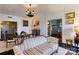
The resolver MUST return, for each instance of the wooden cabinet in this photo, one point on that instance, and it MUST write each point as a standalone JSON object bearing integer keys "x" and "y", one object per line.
{"x": 36, "y": 32}
{"x": 56, "y": 28}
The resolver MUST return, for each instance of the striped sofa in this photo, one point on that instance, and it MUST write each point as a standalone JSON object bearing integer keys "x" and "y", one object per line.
{"x": 37, "y": 46}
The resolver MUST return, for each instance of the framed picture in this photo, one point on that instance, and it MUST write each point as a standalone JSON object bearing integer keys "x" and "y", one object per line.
{"x": 69, "y": 21}
{"x": 25, "y": 22}
{"x": 70, "y": 15}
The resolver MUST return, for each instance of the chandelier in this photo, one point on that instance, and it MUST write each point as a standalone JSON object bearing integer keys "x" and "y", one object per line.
{"x": 29, "y": 10}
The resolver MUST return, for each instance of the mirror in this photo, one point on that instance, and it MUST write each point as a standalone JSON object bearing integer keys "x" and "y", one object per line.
{"x": 9, "y": 26}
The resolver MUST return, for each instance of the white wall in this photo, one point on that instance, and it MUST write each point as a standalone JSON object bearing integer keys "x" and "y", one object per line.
{"x": 43, "y": 25}
{"x": 41, "y": 17}
{"x": 19, "y": 20}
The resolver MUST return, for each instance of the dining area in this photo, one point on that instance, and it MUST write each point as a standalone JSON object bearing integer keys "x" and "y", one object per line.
{"x": 16, "y": 39}
{"x": 13, "y": 39}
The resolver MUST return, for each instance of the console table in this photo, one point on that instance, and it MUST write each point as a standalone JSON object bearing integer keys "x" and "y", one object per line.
{"x": 36, "y": 32}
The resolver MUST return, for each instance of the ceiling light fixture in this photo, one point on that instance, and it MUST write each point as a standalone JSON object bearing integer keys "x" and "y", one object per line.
{"x": 30, "y": 11}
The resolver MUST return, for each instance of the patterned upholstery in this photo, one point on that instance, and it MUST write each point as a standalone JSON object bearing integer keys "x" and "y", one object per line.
{"x": 32, "y": 51}
{"x": 52, "y": 39}
{"x": 36, "y": 46}
{"x": 39, "y": 50}
{"x": 45, "y": 48}
{"x": 17, "y": 51}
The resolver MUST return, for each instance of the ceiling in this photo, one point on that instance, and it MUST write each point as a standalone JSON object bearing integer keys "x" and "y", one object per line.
{"x": 19, "y": 9}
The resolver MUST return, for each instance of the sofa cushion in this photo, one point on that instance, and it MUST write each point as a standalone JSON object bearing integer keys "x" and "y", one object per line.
{"x": 43, "y": 49}
{"x": 52, "y": 40}
{"x": 32, "y": 51}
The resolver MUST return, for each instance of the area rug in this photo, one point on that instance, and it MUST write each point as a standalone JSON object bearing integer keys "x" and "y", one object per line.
{"x": 71, "y": 53}
{"x": 3, "y": 46}
{"x": 74, "y": 48}
{"x": 4, "y": 50}
{"x": 63, "y": 51}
